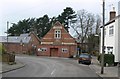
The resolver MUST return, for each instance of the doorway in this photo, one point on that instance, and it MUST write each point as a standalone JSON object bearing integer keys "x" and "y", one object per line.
{"x": 54, "y": 52}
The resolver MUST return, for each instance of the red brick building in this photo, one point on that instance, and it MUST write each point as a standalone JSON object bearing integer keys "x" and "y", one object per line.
{"x": 57, "y": 42}
{"x": 25, "y": 43}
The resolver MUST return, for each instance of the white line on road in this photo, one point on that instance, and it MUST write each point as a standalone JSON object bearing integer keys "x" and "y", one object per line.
{"x": 53, "y": 72}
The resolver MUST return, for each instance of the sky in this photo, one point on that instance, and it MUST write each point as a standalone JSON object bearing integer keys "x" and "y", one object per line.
{"x": 16, "y": 10}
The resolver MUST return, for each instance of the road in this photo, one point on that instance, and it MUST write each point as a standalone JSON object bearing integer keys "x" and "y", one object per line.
{"x": 50, "y": 67}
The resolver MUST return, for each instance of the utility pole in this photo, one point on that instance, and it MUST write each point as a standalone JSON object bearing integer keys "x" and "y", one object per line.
{"x": 7, "y": 35}
{"x": 102, "y": 57}
{"x": 7, "y": 30}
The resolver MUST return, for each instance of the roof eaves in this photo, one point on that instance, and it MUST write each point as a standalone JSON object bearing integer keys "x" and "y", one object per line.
{"x": 111, "y": 21}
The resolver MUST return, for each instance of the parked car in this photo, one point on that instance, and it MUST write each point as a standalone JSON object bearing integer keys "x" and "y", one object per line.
{"x": 85, "y": 58}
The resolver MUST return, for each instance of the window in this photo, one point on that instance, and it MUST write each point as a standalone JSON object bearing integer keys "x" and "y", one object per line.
{"x": 42, "y": 49}
{"x": 64, "y": 50}
{"x": 57, "y": 34}
{"x": 105, "y": 31}
{"x": 110, "y": 50}
{"x": 25, "y": 37}
{"x": 111, "y": 30}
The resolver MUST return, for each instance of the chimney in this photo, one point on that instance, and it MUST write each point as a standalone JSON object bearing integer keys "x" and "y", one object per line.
{"x": 112, "y": 13}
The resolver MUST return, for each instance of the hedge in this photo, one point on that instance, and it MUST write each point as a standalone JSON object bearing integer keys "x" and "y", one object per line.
{"x": 108, "y": 59}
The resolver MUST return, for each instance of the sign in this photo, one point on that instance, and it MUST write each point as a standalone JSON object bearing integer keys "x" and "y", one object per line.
{"x": 78, "y": 49}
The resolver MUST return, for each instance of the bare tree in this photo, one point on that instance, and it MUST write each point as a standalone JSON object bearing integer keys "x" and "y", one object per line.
{"x": 83, "y": 25}
{"x": 97, "y": 25}
{"x": 86, "y": 26}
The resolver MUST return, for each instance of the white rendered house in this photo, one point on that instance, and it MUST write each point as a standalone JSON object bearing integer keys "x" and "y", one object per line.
{"x": 112, "y": 36}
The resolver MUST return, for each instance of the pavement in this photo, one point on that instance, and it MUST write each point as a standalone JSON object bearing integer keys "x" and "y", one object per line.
{"x": 4, "y": 67}
{"x": 108, "y": 71}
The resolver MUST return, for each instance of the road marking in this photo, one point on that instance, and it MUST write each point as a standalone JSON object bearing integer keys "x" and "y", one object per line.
{"x": 53, "y": 71}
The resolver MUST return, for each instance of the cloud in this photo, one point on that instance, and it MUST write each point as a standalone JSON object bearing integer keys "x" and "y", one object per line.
{"x": 15, "y": 10}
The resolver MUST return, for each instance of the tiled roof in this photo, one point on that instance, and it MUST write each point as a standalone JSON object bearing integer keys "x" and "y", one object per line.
{"x": 57, "y": 24}
{"x": 111, "y": 21}
{"x": 24, "y": 35}
{"x": 16, "y": 39}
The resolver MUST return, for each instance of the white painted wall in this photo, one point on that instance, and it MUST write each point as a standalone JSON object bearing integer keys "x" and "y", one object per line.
{"x": 116, "y": 40}
{"x": 112, "y": 40}
{"x": 109, "y": 39}
{"x": 118, "y": 47}
{"x": 119, "y": 8}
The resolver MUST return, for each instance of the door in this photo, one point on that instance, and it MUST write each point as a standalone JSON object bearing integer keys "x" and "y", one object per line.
{"x": 54, "y": 52}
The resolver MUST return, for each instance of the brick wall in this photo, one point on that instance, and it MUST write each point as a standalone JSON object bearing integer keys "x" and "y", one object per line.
{"x": 55, "y": 47}
{"x": 71, "y": 50}
{"x": 25, "y": 47}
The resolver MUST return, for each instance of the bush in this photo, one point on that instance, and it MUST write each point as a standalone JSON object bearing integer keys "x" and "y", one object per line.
{"x": 108, "y": 59}
{"x": 2, "y": 49}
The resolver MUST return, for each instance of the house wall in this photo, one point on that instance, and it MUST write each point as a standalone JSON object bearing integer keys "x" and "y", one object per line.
{"x": 35, "y": 40}
{"x": 16, "y": 48}
{"x": 117, "y": 40}
{"x": 113, "y": 40}
{"x": 32, "y": 45}
{"x": 27, "y": 48}
{"x": 109, "y": 39}
{"x": 54, "y": 45}
{"x": 13, "y": 47}
{"x": 71, "y": 50}
{"x": 119, "y": 36}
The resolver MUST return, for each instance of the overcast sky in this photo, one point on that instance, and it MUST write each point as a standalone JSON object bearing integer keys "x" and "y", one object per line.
{"x": 15, "y": 10}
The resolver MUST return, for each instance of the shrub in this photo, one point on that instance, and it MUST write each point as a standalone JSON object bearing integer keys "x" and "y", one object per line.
{"x": 108, "y": 59}
{"x": 0, "y": 48}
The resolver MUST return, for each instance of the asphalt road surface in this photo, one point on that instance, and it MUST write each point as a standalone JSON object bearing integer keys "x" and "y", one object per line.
{"x": 50, "y": 67}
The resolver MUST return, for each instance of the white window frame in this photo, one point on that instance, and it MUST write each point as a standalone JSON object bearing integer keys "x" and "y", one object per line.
{"x": 57, "y": 34}
{"x": 105, "y": 31}
{"x": 64, "y": 50}
{"x": 110, "y": 50}
{"x": 111, "y": 30}
{"x": 42, "y": 49}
